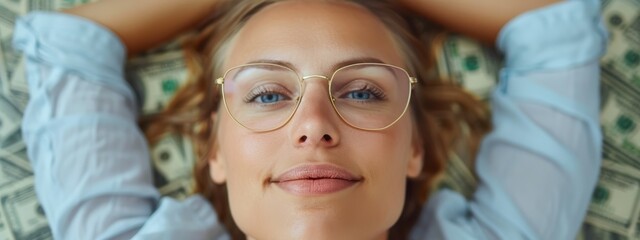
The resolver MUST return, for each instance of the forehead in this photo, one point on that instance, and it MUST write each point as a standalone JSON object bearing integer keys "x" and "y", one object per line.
{"x": 313, "y": 36}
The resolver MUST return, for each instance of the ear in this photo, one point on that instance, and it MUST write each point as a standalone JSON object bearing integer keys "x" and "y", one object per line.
{"x": 217, "y": 163}
{"x": 414, "y": 166}
{"x": 217, "y": 168}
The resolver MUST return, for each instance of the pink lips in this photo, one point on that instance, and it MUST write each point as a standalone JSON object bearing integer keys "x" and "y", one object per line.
{"x": 310, "y": 180}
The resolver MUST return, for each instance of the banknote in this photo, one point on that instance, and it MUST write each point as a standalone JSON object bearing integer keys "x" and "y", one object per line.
{"x": 5, "y": 230}
{"x": 20, "y": 156}
{"x": 156, "y": 79}
{"x": 62, "y": 4}
{"x": 615, "y": 205}
{"x": 178, "y": 189}
{"x": 18, "y": 89}
{"x": 7, "y": 20}
{"x": 623, "y": 53}
{"x": 13, "y": 143}
{"x": 592, "y": 232}
{"x": 39, "y": 5}
{"x": 10, "y": 10}
{"x": 4, "y": 79}
{"x": 24, "y": 6}
{"x": 467, "y": 62}
{"x": 173, "y": 159}
{"x": 12, "y": 168}
{"x": 620, "y": 117}
{"x": 10, "y": 58}
{"x": 23, "y": 214}
{"x": 10, "y": 118}
{"x": 614, "y": 88}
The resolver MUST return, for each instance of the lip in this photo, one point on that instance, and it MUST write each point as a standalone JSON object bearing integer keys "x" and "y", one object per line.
{"x": 314, "y": 180}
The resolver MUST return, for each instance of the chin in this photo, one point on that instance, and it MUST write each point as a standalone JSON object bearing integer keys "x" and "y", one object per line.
{"x": 322, "y": 223}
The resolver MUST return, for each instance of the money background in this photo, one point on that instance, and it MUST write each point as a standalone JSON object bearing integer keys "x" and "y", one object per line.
{"x": 614, "y": 212}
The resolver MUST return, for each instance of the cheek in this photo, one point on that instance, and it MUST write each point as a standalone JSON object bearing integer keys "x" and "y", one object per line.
{"x": 248, "y": 159}
{"x": 384, "y": 158}
{"x": 247, "y": 155}
{"x": 386, "y": 154}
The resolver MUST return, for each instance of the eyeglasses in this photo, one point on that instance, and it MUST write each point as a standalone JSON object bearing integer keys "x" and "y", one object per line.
{"x": 368, "y": 96}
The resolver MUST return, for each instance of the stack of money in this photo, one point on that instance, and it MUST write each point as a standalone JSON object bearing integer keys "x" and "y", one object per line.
{"x": 614, "y": 212}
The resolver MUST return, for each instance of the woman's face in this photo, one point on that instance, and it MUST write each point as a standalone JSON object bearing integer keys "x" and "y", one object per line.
{"x": 314, "y": 37}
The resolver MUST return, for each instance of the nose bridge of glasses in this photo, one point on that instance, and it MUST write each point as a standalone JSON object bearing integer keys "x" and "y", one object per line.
{"x": 315, "y": 76}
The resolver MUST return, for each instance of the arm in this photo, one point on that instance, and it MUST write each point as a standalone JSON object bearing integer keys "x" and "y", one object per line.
{"x": 538, "y": 167}
{"x": 479, "y": 19}
{"x": 91, "y": 162}
{"x": 142, "y": 24}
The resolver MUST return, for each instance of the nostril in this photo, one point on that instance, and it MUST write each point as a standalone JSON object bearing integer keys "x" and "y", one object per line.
{"x": 326, "y": 137}
{"x": 303, "y": 138}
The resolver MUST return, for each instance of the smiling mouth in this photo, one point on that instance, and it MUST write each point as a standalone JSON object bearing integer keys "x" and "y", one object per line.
{"x": 314, "y": 180}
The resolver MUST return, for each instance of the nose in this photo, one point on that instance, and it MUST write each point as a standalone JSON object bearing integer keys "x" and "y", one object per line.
{"x": 315, "y": 123}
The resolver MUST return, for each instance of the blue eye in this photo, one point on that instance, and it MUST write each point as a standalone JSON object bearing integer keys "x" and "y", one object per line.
{"x": 269, "y": 98}
{"x": 267, "y": 95}
{"x": 364, "y": 94}
{"x": 359, "y": 95}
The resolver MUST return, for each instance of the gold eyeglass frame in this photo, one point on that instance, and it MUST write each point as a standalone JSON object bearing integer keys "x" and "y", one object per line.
{"x": 301, "y": 79}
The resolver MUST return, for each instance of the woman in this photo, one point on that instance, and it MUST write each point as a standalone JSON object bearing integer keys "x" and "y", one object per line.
{"x": 303, "y": 147}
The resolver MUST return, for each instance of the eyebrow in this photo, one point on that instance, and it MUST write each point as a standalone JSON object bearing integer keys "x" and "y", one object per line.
{"x": 333, "y": 68}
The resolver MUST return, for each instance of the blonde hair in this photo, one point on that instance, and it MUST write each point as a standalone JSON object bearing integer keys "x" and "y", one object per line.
{"x": 440, "y": 109}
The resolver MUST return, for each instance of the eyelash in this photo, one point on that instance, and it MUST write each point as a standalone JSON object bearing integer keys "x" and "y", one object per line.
{"x": 262, "y": 90}
{"x": 376, "y": 92}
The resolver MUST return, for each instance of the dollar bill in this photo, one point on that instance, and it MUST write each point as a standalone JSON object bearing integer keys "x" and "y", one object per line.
{"x": 178, "y": 189}
{"x": 18, "y": 89}
{"x": 156, "y": 79}
{"x": 10, "y": 118}
{"x": 592, "y": 232}
{"x": 12, "y": 168}
{"x": 4, "y": 79}
{"x": 11, "y": 57}
{"x": 23, "y": 214}
{"x": 17, "y": 7}
{"x": 619, "y": 118}
{"x": 616, "y": 200}
{"x": 623, "y": 53}
{"x": 173, "y": 159}
{"x": 13, "y": 143}
{"x": 63, "y": 4}
{"x": 5, "y": 230}
{"x": 468, "y": 63}
{"x": 39, "y": 5}
{"x": 20, "y": 156}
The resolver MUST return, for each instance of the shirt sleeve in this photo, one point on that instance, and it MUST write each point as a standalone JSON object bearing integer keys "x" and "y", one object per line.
{"x": 538, "y": 167}
{"x": 91, "y": 162}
